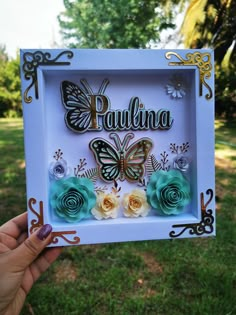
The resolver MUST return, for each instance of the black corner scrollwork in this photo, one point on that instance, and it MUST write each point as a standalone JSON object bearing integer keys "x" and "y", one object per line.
{"x": 205, "y": 226}
{"x": 32, "y": 60}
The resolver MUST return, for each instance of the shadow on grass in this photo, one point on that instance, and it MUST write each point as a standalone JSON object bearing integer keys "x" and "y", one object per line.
{"x": 225, "y": 132}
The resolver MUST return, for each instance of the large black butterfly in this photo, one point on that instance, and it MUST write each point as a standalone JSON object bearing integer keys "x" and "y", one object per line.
{"x": 77, "y": 102}
{"x": 121, "y": 162}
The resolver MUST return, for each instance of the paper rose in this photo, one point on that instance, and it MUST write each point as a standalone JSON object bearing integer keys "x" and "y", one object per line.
{"x": 181, "y": 163}
{"x": 107, "y": 206}
{"x": 72, "y": 198}
{"x": 135, "y": 204}
{"x": 168, "y": 192}
{"x": 176, "y": 88}
{"x": 58, "y": 169}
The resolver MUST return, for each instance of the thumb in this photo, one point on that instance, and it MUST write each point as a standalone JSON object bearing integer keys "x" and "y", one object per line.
{"x": 29, "y": 250}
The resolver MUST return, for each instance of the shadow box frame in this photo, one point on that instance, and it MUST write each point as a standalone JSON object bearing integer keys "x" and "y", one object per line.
{"x": 175, "y": 86}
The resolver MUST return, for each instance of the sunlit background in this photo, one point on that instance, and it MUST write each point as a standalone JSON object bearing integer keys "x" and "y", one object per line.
{"x": 29, "y": 24}
{"x": 181, "y": 277}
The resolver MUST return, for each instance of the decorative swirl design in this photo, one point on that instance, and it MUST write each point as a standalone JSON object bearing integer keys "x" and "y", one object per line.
{"x": 76, "y": 239}
{"x": 205, "y": 226}
{"x": 202, "y": 61}
{"x": 31, "y": 63}
{"x": 37, "y": 223}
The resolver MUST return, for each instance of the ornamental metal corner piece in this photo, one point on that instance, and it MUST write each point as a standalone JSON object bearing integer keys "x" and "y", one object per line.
{"x": 32, "y": 60}
{"x": 39, "y": 221}
{"x": 205, "y": 226}
{"x": 203, "y": 63}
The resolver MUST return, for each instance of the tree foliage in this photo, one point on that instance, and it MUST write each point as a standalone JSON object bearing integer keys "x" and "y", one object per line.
{"x": 115, "y": 24}
{"x": 212, "y": 23}
{"x": 10, "y": 86}
{"x": 225, "y": 91}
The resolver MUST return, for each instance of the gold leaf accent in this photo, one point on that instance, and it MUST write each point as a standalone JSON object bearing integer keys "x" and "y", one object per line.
{"x": 55, "y": 235}
{"x": 202, "y": 61}
{"x": 37, "y": 223}
{"x": 32, "y": 60}
{"x": 91, "y": 174}
{"x": 152, "y": 165}
{"x": 205, "y": 226}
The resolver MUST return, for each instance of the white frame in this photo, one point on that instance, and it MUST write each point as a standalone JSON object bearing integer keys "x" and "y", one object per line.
{"x": 36, "y": 65}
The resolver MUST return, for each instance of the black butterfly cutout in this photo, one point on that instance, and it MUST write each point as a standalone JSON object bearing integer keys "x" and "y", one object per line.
{"x": 121, "y": 162}
{"x": 77, "y": 102}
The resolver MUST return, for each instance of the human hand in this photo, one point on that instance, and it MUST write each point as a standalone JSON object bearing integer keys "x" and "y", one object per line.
{"x": 22, "y": 261}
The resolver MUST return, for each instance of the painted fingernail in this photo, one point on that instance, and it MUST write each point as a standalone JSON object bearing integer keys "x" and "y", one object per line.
{"x": 45, "y": 230}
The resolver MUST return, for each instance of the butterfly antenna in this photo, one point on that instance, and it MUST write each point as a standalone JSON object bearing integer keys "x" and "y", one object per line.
{"x": 127, "y": 139}
{"x": 121, "y": 145}
{"x": 116, "y": 139}
{"x": 86, "y": 86}
{"x": 103, "y": 86}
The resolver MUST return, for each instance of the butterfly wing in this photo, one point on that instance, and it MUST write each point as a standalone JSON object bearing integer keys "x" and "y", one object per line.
{"x": 135, "y": 158}
{"x": 75, "y": 100}
{"x": 107, "y": 158}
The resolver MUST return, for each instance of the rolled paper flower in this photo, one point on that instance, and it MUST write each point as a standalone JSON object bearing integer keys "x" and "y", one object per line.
{"x": 168, "y": 192}
{"x": 135, "y": 204}
{"x": 181, "y": 163}
{"x": 106, "y": 207}
{"x": 72, "y": 198}
{"x": 58, "y": 169}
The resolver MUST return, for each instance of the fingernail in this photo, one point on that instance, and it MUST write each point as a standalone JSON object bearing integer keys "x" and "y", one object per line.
{"x": 45, "y": 230}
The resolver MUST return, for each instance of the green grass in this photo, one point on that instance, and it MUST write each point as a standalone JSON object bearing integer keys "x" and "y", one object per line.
{"x": 188, "y": 276}
{"x": 12, "y": 169}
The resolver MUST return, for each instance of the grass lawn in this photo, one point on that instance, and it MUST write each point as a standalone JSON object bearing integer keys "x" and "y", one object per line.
{"x": 178, "y": 277}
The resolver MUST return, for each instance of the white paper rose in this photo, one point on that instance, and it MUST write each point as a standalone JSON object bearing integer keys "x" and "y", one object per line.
{"x": 181, "y": 163}
{"x": 106, "y": 207}
{"x": 58, "y": 170}
{"x": 135, "y": 204}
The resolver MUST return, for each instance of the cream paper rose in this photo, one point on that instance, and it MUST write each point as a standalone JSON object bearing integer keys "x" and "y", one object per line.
{"x": 106, "y": 207}
{"x": 135, "y": 204}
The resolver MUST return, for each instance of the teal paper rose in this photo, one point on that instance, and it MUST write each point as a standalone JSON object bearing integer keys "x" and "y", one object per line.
{"x": 168, "y": 192}
{"x": 72, "y": 198}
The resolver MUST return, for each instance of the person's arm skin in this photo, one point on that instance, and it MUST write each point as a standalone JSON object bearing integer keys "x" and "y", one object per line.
{"x": 22, "y": 261}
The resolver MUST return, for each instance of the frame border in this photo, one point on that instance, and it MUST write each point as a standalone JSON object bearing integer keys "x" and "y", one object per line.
{"x": 198, "y": 60}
